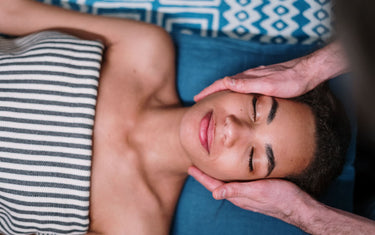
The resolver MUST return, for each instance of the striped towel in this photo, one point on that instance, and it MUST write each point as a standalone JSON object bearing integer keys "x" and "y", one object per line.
{"x": 48, "y": 90}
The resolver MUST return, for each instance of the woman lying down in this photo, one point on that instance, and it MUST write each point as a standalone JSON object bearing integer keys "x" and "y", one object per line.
{"x": 143, "y": 140}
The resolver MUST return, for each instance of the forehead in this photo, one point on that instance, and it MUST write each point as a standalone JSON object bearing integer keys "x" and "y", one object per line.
{"x": 294, "y": 137}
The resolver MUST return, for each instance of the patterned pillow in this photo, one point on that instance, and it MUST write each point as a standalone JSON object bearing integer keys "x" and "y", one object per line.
{"x": 276, "y": 21}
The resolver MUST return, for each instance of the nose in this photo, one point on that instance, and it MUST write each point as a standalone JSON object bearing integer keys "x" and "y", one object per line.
{"x": 235, "y": 130}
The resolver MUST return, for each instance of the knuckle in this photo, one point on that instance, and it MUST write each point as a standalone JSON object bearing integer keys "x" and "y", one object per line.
{"x": 232, "y": 191}
{"x": 227, "y": 79}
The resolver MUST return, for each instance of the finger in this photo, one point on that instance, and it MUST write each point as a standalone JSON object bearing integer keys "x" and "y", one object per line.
{"x": 218, "y": 85}
{"x": 235, "y": 189}
{"x": 207, "y": 181}
{"x": 251, "y": 85}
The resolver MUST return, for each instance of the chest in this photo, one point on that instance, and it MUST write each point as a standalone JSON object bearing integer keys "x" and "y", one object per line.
{"x": 124, "y": 194}
{"x": 121, "y": 195}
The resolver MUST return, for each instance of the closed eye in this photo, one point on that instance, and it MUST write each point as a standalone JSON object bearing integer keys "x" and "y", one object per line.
{"x": 255, "y": 99}
{"x": 251, "y": 167}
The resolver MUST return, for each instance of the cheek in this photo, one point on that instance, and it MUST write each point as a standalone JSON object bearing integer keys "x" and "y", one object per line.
{"x": 223, "y": 167}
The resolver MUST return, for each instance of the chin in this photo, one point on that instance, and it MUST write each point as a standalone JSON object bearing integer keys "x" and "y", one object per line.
{"x": 189, "y": 134}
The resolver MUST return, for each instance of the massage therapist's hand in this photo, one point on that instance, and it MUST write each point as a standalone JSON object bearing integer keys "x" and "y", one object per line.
{"x": 284, "y": 80}
{"x": 287, "y": 79}
{"x": 285, "y": 201}
{"x": 273, "y": 197}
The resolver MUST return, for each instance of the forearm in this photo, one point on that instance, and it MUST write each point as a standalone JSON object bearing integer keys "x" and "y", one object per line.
{"x": 21, "y": 17}
{"x": 317, "y": 218}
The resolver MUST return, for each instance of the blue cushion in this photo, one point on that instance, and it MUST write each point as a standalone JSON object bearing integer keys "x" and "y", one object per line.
{"x": 200, "y": 61}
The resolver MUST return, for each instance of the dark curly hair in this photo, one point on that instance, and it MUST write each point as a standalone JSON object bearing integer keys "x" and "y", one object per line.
{"x": 332, "y": 137}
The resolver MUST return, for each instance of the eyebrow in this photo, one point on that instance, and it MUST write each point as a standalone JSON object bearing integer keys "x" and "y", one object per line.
{"x": 273, "y": 110}
{"x": 270, "y": 158}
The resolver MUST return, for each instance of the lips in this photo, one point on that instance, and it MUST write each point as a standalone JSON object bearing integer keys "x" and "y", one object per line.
{"x": 206, "y": 131}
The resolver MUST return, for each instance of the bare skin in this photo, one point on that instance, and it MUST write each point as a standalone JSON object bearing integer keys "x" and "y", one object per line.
{"x": 142, "y": 82}
{"x": 139, "y": 163}
{"x": 285, "y": 201}
{"x": 287, "y": 79}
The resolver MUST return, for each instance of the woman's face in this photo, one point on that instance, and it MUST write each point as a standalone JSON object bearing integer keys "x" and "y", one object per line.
{"x": 232, "y": 136}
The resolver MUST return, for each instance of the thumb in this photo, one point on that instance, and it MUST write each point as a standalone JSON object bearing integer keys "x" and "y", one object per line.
{"x": 218, "y": 85}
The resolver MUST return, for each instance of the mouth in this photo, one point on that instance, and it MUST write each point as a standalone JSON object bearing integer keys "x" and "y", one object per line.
{"x": 206, "y": 131}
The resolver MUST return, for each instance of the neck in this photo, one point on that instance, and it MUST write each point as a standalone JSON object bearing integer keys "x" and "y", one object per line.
{"x": 159, "y": 142}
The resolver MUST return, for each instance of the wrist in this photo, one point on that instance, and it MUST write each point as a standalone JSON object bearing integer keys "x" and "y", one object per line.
{"x": 328, "y": 62}
{"x": 308, "y": 214}
{"x": 314, "y": 217}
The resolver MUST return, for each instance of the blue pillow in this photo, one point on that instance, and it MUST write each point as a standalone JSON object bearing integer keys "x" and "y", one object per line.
{"x": 201, "y": 61}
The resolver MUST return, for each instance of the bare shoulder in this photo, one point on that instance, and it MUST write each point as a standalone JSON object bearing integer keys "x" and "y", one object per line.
{"x": 144, "y": 60}
{"x": 156, "y": 56}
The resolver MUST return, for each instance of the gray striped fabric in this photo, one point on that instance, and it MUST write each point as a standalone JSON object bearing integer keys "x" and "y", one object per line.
{"x": 48, "y": 89}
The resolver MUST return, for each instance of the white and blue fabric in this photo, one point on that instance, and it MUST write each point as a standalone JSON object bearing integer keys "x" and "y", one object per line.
{"x": 265, "y": 21}
{"x": 213, "y": 38}
{"x": 48, "y": 90}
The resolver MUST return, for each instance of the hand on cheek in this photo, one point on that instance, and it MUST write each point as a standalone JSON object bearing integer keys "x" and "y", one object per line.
{"x": 273, "y": 197}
